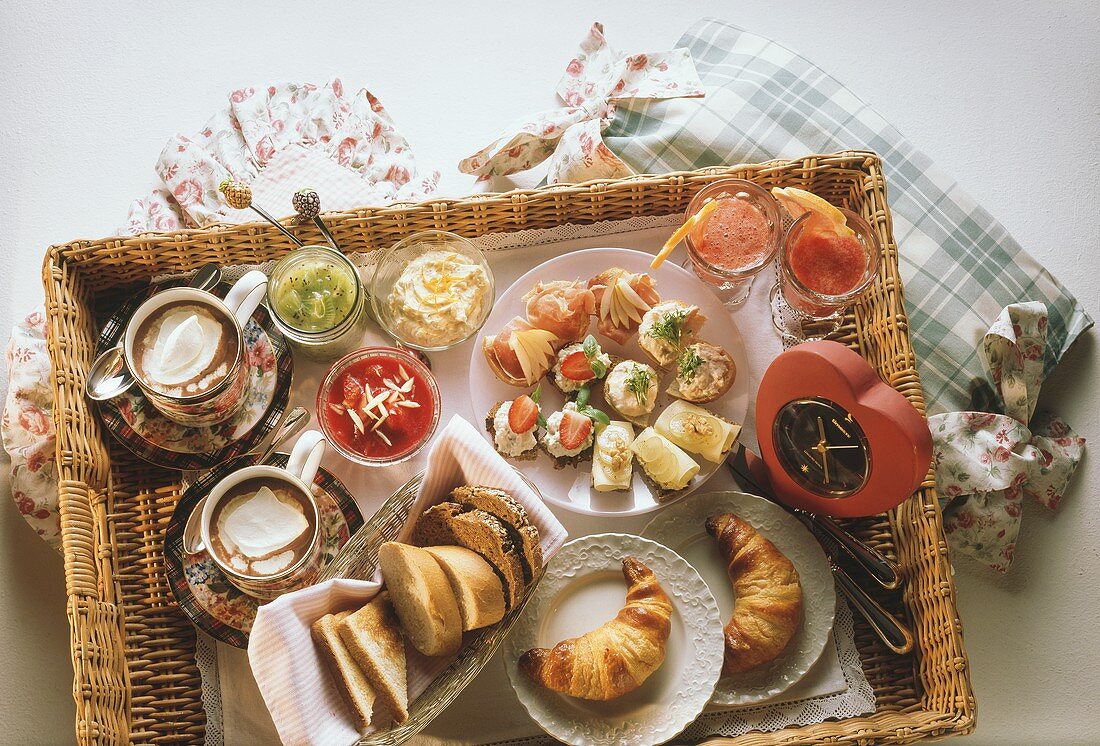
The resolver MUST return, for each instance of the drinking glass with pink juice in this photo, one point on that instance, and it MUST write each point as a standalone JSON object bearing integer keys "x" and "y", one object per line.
{"x": 737, "y": 239}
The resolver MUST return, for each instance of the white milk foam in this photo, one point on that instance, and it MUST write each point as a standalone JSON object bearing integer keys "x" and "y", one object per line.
{"x": 259, "y": 530}
{"x": 188, "y": 340}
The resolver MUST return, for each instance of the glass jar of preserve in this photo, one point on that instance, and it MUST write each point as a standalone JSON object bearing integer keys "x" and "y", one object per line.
{"x": 318, "y": 302}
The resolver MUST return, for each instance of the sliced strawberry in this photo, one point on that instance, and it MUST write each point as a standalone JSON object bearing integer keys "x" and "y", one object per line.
{"x": 576, "y": 367}
{"x": 574, "y": 430}
{"x": 523, "y": 415}
{"x": 353, "y": 392}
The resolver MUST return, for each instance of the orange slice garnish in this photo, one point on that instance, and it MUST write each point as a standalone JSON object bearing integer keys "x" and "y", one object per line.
{"x": 798, "y": 202}
{"x": 695, "y": 221}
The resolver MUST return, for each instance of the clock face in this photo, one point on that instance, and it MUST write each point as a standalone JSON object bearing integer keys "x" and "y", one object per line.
{"x": 822, "y": 447}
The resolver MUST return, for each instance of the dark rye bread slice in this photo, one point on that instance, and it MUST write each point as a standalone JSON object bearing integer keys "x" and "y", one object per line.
{"x": 448, "y": 524}
{"x": 529, "y": 455}
{"x": 515, "y": 519}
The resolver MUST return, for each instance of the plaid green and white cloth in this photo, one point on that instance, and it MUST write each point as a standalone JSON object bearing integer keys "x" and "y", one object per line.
{"x": 959, "y": 265}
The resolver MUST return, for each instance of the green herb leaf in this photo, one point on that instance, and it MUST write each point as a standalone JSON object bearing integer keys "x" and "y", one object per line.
{"x": 536, "y": 394}
{"x": 583, "y": 393}
{"x": 591, "y": 347}
{"x": 540, "y": 420}
{"x": 592, "y": 354}
{"x": 594, "y": 414}
{"x": 689, "y": 364}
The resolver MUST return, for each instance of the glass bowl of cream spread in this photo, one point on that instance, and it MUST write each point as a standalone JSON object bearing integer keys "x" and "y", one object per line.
{"x": 432, "y": 291}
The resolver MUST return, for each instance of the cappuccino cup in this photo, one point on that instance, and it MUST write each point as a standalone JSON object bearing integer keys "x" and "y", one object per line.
{"x": 185, "y": 349}
{"x": 262, "y": 526}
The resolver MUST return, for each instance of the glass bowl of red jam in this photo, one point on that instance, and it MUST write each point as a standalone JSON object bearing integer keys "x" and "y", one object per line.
{"x": 737, "y": 240}
{"x": 378, "y": 406}
{"x": 822, "y": 273}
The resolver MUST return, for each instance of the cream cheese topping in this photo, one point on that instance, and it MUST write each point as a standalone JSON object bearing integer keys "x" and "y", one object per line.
{"x": 552, "y": 440}
{"x": 507, "y": 441}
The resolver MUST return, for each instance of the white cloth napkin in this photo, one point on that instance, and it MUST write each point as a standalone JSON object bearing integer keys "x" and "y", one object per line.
{"x": 305, "y": 704}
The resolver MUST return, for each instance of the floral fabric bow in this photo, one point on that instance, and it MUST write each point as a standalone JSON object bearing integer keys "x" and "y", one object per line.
{"x": 595, "y": 81}
{"x": 986, "y": 463}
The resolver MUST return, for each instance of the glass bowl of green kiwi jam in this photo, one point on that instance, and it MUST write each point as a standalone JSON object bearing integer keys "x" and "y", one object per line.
{"x": 318, "y": 302}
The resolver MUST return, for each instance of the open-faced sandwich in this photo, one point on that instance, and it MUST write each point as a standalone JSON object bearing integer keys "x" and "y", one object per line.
{"x": 622, "y": 298}
{"x": 579, "y": 364}
{"x": 697, "y": 430}
{"x": 704, "y": 372}
{"x": 631, "y": 389}
{"x": 666, "y": 466}
{"x": 562, "y": 307}
{"x": 521, "y": 353}
{"x": 514, "y": 426}
{"x": 667, "y": 328}
{"x": 612, "y": 459}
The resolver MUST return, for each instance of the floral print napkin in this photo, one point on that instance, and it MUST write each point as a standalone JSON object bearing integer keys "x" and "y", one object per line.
{"x": 571, "y": 136}
{"x": 987, "y": 463}
{"x": 257, "y": 126}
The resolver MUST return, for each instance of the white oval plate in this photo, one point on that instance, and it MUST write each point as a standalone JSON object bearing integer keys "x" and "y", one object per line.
{"x": 583, "y": 588}
{"x": 571, "y": 487}
{"x": 681, "y": 529}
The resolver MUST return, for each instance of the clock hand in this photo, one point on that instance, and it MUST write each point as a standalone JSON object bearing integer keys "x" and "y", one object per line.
{"x": 834, "y": 448}
{"x": 822, "y": 449}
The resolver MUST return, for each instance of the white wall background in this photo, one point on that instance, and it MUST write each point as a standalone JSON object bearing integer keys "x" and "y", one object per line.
{"x": 1005, "y": 95}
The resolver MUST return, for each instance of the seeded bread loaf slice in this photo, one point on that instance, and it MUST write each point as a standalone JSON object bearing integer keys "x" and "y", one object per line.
{"x": 373, "y": 637}
{"x": 479, "y": 591}
{"x": 448, "y": 523}
{"x": 422, "y": 597}
{"x": 511, "y": 513}
{"x": 350, "y": 679}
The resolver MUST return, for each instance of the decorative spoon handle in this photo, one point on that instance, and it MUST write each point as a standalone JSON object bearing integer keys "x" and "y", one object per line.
{"x": 282, "y": 228}
{"x": 238, "y": 195}
{"x": 893, "y": 633}
{"x": 307, "y": 203}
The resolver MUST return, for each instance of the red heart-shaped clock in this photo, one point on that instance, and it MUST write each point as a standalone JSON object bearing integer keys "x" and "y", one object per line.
{"x": 833, "y": 437}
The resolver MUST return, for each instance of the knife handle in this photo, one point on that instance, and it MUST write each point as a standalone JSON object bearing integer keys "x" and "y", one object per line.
{"x": 892, "y": 632}
{"x": 882, "y": 571}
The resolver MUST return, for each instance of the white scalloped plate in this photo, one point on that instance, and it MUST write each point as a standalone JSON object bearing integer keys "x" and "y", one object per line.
{"x": 583, "y": 588}
{"x": 681, "y": 528}
{"x": 571, "y": 487}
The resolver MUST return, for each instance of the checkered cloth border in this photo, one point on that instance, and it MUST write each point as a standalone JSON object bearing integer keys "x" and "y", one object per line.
{"x": 959, "y": 265}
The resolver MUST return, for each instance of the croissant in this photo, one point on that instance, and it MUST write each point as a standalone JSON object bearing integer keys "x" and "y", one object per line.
{"x": 768, "y": 608}
{"x": 615, "y": 658}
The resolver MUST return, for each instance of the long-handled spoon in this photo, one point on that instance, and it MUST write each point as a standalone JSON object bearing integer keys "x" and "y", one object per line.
{"x": 238, "y": 195}
{"x": 293, "y": 423}
{"x": 108, "y": 377}
{"x": 307, "y": 203}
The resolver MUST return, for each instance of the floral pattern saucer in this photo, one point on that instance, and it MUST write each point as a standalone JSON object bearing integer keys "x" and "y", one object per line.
{"x": 204, "y": 594}
{"x": 137, "y": 424}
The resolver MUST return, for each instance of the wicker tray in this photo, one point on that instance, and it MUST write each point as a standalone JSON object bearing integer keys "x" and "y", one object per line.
{"x": 135, "y": 677}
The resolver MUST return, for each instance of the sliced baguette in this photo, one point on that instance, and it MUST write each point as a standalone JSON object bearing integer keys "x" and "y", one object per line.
{"x": 423, "y": 598}
{"x": 511, "y": 513}
{"x": 373, "y": 637}
{"x": 479, "y": 591}
{"x": 350, "y": 679}
{"x": 448, "y": 523}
